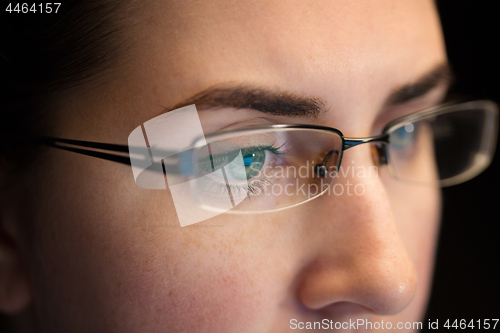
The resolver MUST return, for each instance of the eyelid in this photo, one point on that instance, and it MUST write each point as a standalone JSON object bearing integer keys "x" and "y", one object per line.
{"x": 251, "y": 117}
{"x": 433, "y": 98}
{"x": 243, "y": 123}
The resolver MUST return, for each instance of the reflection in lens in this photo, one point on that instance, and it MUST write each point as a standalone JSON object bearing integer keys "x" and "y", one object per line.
{"x": 441, "y": 149}
{"x": 411, "y": 153}
{"x": 253, "y": 162}
{"x": 405, "y": 136}
{"x": 274, "y": 170}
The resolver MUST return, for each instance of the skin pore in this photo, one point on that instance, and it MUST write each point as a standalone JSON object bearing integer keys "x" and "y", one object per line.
{"x": 103, "y": 256}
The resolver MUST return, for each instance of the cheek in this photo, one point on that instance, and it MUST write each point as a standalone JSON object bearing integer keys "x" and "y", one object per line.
{"x": 419, "y": 216}
{"x": 418, "y": 212}
{"x": 113, "y": 261}
{"x": 198, "y": 291}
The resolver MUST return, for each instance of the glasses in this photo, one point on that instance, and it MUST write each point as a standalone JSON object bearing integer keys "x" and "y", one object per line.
{"x": 268, "y": 168}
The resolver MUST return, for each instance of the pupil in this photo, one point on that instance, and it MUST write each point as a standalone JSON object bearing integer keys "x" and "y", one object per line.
{"x": 253, "y": 162}
{"x": 404, "y": 137}
{"x": 250, "y": 166}
{"x": 248, "y": 159}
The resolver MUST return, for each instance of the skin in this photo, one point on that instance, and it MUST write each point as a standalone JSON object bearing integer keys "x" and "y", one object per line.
{"x": 102, "y": 255}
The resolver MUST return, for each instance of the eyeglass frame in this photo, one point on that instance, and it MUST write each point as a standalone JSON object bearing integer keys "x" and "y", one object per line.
{"x": 176, "y": 159}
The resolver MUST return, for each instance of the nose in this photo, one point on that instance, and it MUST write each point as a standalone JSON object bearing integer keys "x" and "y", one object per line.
{"x": 359, "y": 256}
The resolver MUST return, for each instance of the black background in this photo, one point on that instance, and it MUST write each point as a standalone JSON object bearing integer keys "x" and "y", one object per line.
{"x": 467, "y": 275}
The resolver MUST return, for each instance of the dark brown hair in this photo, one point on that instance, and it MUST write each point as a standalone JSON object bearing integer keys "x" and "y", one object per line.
{"x": 41, "y": 55}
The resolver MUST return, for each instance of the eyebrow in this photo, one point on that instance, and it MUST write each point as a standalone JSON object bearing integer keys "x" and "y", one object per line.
{"x": 285, "y": 103}
{"x": 275, "y": 102}
{"x": 440, "y": 75}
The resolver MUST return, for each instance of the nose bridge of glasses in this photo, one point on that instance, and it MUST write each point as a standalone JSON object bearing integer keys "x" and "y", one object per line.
{"x": 353, "y": 142}
{"x": 378, "y": 148}
{"x": 379, "y": 151}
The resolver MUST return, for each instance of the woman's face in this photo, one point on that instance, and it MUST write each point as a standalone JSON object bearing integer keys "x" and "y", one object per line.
{"x": 109, "y": 256}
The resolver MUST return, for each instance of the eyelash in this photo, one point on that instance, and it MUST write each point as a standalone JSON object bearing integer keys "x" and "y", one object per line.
{"x": 255, "y": 186}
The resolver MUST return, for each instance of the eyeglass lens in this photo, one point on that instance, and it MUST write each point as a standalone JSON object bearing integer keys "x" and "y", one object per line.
{"x": 269, "y": 168}
{"x": 442, "y": 149}
{"x": 274, "y": 169}
{"x": 278, "y": 168}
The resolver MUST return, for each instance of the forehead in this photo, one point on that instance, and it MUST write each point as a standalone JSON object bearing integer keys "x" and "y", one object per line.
{"x": 318, "y": 48}
{"x": 352, "y": 54}
{"x": 289, "y": 37}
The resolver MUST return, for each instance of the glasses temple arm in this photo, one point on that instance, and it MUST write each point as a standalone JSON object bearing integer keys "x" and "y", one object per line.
{"x": 121, "y": 155}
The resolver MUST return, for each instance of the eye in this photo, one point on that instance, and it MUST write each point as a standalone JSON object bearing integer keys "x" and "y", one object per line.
{"x": 253, "y": 161}
{"x": 248, "y": 166}
{"x": 243, "y": 171}
{"x": 405, "y": 136}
